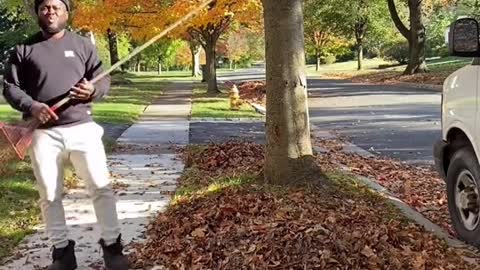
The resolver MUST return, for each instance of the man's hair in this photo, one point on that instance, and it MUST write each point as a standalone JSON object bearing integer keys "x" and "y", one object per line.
{"x": 39, "y": 2}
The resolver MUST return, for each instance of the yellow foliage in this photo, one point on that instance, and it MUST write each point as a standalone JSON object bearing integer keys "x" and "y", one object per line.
{"x": 146, "y": 18}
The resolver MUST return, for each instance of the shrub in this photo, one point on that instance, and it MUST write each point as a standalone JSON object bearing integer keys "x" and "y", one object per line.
{"x": 330, "y": 59}
{"x": 397, "y": 51}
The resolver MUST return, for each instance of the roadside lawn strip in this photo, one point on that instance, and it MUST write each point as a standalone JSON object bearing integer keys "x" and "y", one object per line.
{"x": 19, "y": 211}
{"x": 439, "y": 70}
{"x": 205, "y": 106}
{"x": 223, "y": 216}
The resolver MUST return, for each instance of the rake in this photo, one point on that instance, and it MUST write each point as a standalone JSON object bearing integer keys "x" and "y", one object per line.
{"x": 16, "y": 139}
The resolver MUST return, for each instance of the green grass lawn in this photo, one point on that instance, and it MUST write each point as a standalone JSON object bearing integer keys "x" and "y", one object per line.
{"x": 164, "y": 76}
{"x": 127, "y": 100}
{"x": 19, "y": 211}
{"x": 204, "y": 106}
{"x": 123, "y": 105}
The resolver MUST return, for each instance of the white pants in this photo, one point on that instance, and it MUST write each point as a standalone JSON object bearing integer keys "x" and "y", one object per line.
{"x": 82, "y": 145}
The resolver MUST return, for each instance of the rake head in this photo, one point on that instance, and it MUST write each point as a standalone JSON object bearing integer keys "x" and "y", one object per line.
{"x": 14, "y": 141}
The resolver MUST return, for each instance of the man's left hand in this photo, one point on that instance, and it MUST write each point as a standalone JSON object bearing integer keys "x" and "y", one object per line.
{"x": 83, "y": 90}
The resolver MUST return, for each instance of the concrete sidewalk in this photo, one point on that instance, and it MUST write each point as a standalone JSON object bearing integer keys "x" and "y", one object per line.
{"x": 145, "y": 171}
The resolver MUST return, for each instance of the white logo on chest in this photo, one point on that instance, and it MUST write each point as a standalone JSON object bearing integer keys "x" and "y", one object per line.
{"x": 69, "y": 54}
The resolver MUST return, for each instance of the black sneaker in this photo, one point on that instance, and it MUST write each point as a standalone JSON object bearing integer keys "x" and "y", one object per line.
{"x": 113, "y": 256}
{"x": 64, "y": 258}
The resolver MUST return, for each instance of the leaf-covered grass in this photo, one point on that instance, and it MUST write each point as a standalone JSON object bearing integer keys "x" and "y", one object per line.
{"x": 205, "y": 106}
{"x": 439, "y": 70}
{"x": 348, "y": 67}
{"x": 230, "y": 220}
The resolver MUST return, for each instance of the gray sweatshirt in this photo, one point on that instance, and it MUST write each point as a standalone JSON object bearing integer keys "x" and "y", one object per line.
{"x": 45, "y": 70}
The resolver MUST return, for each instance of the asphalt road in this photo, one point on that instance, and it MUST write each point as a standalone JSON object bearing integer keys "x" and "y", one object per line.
{"x": 398, "y": 122}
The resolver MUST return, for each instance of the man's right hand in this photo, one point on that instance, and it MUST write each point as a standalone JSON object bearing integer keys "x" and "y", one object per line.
{"x": 42, "y": 112}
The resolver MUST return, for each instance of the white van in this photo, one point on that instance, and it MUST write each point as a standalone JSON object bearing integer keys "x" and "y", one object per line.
{"x": 457, "y": 154}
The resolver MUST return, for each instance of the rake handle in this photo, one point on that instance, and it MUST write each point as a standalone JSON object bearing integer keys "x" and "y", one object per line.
{"x": 137, "y": 50}
{"x": 140, "y": 48}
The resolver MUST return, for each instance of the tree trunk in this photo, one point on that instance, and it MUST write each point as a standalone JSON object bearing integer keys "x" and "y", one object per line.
{"x": 195, "y": 51}
{"x": 416, "y": 63}
{"x": 415, "y": 35}
{"x": 360, "y": 30}
{"x": 319, "y": 60}
{"x": 288, "y": 151}
{"x": 113, "y": 46}
{"x": 211, "y": 67}
{"x": 159, "y": 68}
{"x": 231, "y": 64}
{"x": 360, "y": 56}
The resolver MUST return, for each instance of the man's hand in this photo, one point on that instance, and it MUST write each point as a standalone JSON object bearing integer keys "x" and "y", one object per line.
{"x": 42, "y": 112}
{"x": 83, "y": 90}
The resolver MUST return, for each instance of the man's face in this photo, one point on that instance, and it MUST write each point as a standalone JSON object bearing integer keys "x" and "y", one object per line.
{"x": 52, "y": 16}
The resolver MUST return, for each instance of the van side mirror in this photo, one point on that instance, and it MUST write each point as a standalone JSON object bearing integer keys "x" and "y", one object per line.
{"x": 463, "y": 38}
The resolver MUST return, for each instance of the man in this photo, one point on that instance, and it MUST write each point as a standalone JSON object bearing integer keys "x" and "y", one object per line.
{"x": 44, "y": 69}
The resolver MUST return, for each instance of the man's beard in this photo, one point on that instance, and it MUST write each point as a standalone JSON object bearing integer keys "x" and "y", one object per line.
{"x": 52, "y": 30}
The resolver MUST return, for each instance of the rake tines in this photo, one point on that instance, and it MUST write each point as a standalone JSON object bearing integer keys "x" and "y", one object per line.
{"x": 14, "y": 141}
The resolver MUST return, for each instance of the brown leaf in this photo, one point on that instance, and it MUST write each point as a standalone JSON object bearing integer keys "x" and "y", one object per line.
{"x": 367, "y": 252}
{"x": 199, "y": 233}
{"x": 418, "y": 263}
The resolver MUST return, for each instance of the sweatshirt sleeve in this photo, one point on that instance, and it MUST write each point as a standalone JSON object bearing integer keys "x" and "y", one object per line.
{"x": 13, "y": 92}
{"x": 93, "y": 67}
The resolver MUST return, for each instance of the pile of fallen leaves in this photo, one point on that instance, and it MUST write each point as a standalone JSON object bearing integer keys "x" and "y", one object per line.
{"x": 253, "y": 91}
{"x": 222, "y": 159}
{"x": 419, "y": 187}
{"x": 257, "y": 226}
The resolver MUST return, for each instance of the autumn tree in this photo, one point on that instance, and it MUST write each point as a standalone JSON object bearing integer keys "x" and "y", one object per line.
{"x": 161, "y": 54}
{"x": 143, "y": 19}
{"x": 195, "y": 50}
{"x": 236, "y": 45}
{"x": 361, "y": 22}
{"x": 321, "y": 28}
{"x": 415, "y": 34}
{"x": 288, "y": 151}
{"x": 183, "y": 56}
{"x": 108, "y": 24}
{"x": 216, "y": 20}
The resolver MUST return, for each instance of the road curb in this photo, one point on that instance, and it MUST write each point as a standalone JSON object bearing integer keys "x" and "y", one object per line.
{"x": 227, "y": 120}
{"x": 408, "y": 211}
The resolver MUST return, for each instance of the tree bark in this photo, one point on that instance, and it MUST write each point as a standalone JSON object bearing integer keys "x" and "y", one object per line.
{"x": 208, "y": 36}
{"x": 113, "y": 46}
{"x": 360, "y": 57}
{"x": 211, "y": 67}
{"x": 195, "y": 51}
{"x": 415, "y": 36}
{"x": 317, "y": 57}
{"x": 360, "y": 29}
{"x": 288, "y": 151}
{"x": 416, "y": 63}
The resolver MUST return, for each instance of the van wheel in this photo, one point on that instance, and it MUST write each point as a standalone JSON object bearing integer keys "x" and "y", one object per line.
{"x": 463, "y": 197}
